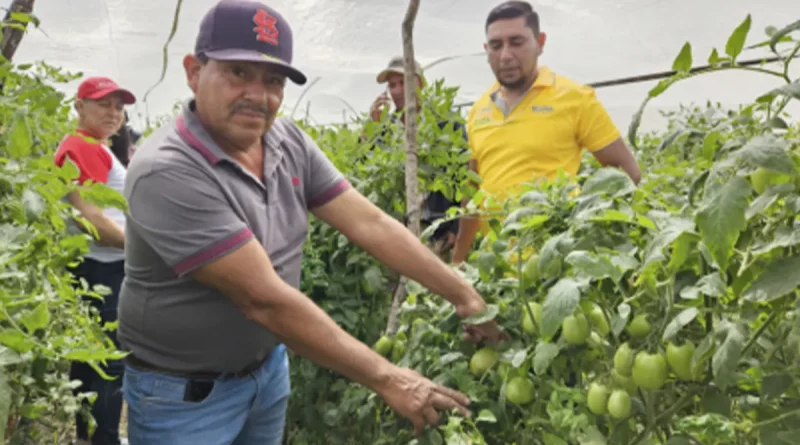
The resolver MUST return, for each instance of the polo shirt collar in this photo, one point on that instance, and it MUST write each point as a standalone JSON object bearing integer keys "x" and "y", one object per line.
{"x": 192, "y": 131}
{"x": 545, "y": 79}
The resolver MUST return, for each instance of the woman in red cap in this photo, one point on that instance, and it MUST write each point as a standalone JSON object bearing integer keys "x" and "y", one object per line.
{"x": 101, "y": 109}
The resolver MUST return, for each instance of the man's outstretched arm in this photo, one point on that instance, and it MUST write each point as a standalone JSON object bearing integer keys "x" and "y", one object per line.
{"x": 394, "y": 245}
{"x": 192, "y": 227}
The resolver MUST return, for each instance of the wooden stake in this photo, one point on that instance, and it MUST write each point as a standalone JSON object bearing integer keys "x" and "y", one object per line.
{"x": 413, "y": 198}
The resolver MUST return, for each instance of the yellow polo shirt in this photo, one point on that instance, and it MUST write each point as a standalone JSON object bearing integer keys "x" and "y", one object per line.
{"x": 545, "y": 132}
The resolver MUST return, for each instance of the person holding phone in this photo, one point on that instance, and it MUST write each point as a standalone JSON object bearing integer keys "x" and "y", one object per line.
{"x": 436, "y": 203}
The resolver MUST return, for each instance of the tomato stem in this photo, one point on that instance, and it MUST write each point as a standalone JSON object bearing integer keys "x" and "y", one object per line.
{"x": 664, "y": 416}
{"x": 758, "y": 333}
{"x": 779, "y": 418}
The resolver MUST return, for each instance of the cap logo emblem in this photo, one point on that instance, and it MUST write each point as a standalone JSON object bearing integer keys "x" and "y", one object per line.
{"x": 265, "y": 29}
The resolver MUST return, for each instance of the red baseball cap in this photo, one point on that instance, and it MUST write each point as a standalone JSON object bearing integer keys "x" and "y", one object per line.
{"x": 95, "y": 88}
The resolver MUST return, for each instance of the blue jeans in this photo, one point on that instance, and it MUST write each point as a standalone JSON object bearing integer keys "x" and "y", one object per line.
{"x": 107, "y": 407}
{"x": 243, "y": 411}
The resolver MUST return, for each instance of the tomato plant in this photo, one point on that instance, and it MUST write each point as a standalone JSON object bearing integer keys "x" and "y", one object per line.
{"x": 43, "y": 320}
{"x": 659, "y": 314}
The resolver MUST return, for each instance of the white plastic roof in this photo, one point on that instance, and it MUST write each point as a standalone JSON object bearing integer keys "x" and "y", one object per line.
{"x": 346, "y": 42}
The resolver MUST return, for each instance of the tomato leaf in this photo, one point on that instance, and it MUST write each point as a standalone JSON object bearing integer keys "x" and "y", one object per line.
{"x": 682, "y": 319}
{"x": 518, "y": 358}
{"x": 725, "y": 361}
{"x": 766, "y": 199}
{"x": 683, "y": 62}
{"x": 710, "y": 145}
{"x": 37, "y": 318}
{"x": 773, "y": 386}
{"x": 550, "y": 258}
{"x": 373, "y": 278}
{"x": 20, "y": 140}
{"x": 543, "y": 355}
{"x": 16, "y": 340}
{"x": 778, "y": 279}
{"x": 789, "y": 90}
{"x": 5, "y": 402}
{"x": 736, "y": 40}
{"x": 620, "y": 319}
{"x": 591, "y": 264}
{"x": 722, "y": 219}
{"x": 671, "y": 230}
{"x": 710, "y": 285}
{"x": 9, "y": 357}
{"x": 715, "y": 401}
{"x": 562, "y": 300}
{"x": 713, "y": 58}
{"x": 485, "y": 316}
{"x": 784, "y": 237}
{"x": 450, "y": 358}
{"x": 486, "y": 416}
{"x": 610, "y": 181}
{"x": 767, "y": 152}
{"x": 781, "y": 33}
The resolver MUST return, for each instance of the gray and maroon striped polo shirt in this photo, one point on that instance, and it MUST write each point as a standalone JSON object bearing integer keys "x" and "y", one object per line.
{"x": 190, "y": 203}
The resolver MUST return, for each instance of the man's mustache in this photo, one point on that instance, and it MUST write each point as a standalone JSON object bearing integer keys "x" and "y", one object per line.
{"x": 243, "y": 106}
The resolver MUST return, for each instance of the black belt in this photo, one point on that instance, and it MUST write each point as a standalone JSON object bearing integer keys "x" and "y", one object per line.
{"x": 142, "y": 365}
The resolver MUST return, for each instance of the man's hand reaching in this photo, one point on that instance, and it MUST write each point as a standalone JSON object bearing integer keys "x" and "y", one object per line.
{"x": 413, "y": 396}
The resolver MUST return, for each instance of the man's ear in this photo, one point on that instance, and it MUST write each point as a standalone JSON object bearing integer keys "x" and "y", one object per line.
{"x": 192, "y": 65}
{"x": 541, "y": 40}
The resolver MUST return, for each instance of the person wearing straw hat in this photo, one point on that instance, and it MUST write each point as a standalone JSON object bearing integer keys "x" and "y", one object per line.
{"x": 436, "y": 203}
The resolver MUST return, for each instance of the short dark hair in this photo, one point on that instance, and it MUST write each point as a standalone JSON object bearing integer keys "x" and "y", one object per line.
{"x": 513, "y": 10}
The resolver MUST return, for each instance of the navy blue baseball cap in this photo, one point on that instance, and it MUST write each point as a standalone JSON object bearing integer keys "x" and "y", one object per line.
{"x": 248, "y": 31}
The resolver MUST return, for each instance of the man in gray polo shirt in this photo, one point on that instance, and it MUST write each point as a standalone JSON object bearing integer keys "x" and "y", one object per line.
{"x": 218, "y": 213}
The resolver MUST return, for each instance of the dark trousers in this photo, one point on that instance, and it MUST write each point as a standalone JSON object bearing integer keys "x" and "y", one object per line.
{"x": 107, "y": 407}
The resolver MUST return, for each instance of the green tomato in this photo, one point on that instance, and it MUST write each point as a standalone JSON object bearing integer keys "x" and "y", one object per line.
{"x": 639, "y": 327}
{"x": 531, "y": 270}
{"x": 597, "y": 398}
{"x": 575, "y": 329}
{"x": 649, "y": 370}
{"x": 622, "y": 382}
{"x": 398, "y": 351}
{"x": 599, "y": 321}
{"x": 623, "y": 360}
{"x": 527, "y": 323}
{"x": 482, "y": 360}
{"x": 384, "y": 345}
{"x": 679, "y": 359}
{"x": 367, "y": 287}
{"x": 519, "y": 391}
{"x": 619, "y": 404}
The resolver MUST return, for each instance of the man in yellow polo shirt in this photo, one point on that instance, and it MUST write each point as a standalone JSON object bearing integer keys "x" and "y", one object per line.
{"x": 532, "y": 123}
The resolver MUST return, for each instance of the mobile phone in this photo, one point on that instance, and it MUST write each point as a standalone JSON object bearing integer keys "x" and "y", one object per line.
{"x": 197, "y": 390}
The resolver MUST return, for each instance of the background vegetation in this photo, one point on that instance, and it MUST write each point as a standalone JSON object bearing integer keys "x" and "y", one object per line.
{"x": 660, "y": 314}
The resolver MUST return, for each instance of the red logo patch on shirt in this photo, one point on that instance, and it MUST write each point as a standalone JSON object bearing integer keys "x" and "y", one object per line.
{"x": 265, "y": 29}
{"x": 295, "y": 181}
